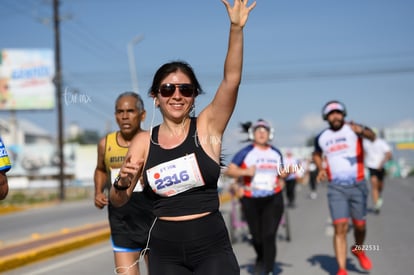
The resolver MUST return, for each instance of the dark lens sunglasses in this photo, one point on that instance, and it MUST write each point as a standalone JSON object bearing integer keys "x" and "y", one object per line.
{"x": 168, "y": 89}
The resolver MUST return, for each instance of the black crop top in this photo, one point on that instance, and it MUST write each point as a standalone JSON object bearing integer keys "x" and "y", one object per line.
{"x": 183, "y": 179}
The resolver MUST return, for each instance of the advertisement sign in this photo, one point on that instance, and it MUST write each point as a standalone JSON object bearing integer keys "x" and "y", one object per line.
{"x": 26, "y": 79}
{"x": 40, "y": 160}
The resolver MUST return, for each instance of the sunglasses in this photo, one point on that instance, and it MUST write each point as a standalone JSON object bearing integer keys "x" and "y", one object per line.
{"x": 168, "y": 89}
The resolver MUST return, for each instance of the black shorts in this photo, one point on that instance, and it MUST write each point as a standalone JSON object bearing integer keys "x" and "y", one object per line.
{"x": 379, "y": 173}
{"x": 130, "y": 223}
{"x": 200, "y": 246}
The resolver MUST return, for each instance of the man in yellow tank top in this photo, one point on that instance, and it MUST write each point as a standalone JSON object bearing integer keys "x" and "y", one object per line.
{"x": 5, "y": 166}
{"x": 130, "y": 223}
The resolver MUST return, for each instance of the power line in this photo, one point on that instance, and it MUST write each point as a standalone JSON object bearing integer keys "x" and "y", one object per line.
{"x": 19, "y": 9}
{"x": 94, "y": 37}
{"x": 328, "y": 74}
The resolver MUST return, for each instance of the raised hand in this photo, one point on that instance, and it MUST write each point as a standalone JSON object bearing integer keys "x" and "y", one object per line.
{"x": 239, "y": 13}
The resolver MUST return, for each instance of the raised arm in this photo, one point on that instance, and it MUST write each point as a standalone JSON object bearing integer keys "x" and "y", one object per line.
{"x": 226, "y": 95}
{"x": 363, "y": 131}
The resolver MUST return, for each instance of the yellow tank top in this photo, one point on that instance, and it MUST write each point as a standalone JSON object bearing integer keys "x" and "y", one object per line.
{"x": 114, "y": 155}
{"x": 5, "y": 164}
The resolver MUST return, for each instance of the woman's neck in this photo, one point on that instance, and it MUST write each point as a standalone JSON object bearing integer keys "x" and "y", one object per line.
{"x": 172, "y": 134}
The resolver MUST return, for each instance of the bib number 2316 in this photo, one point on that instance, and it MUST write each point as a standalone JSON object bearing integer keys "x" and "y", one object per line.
{"x": 175, "y": 176}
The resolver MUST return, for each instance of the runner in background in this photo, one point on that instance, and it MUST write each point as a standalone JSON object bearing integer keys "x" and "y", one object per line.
{"x": 260, "y": 165}
{"x": 341, "y": 146}
{"x": 5, "y": 166}
{"x": 130, "y": 223}
{"x": 291, "y": 179}
{"x": 378, "y": 153}
{"x": 313, "y": 173}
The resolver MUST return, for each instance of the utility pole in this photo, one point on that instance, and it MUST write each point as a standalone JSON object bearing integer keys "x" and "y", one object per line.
{"x": 132, "y": 63}
{"x": 58, "y": 83}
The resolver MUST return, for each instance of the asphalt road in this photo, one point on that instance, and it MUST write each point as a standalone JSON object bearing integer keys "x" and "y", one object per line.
{"x": 51, "y": 218}
{"x": 309, "y": 251}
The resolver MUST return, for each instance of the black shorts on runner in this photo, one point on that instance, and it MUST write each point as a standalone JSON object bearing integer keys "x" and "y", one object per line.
{"x": 379, "y": 173}
{"x": 130, "y": 223}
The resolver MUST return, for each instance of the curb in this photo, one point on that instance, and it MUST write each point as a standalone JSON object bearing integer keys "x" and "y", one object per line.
{"x": 32, "y": 255}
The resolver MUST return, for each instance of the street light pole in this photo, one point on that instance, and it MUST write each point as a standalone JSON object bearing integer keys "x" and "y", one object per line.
{"x": 131, "y": 59}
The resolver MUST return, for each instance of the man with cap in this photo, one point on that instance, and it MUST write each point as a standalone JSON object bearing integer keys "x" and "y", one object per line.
{"x": 259, "y": 168}
{"x": 341, "y": 147}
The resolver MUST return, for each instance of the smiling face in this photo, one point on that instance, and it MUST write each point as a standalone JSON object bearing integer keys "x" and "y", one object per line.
{"x": 128, "y": 116}
{"x": 177, "y": 106}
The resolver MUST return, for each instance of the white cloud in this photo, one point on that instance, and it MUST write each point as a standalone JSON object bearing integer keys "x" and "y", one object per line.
{"x": 406, "y": 123}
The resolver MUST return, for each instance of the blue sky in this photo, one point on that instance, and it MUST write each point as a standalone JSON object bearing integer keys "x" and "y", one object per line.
{"x": 298, "y": 55}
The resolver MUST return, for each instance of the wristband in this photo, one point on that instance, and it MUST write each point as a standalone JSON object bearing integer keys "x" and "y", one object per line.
{"x": 120, "y": 188}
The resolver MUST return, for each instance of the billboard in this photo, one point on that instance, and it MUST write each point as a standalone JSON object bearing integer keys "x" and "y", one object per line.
{"x": 26, "y": 79}
{"x": 41, "y": 160}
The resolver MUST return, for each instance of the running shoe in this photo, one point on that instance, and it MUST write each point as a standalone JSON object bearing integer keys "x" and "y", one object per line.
{"x": 313, "y": 195}
{"x": 363, "y": 259}
{"x": 379, "y": 203}
{"x": 342, "y": 271}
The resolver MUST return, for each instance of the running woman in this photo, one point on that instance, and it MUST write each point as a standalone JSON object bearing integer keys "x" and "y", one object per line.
{"x": 260, "y": 166}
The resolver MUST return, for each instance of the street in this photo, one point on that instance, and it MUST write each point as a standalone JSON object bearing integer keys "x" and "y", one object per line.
{"x": 310, "y": 250}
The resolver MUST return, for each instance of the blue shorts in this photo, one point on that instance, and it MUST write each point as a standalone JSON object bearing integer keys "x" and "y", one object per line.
{"x": 348, "y": 201}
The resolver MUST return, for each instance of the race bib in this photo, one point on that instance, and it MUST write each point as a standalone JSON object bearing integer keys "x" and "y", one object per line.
{"x": 176, "y": 176}
{"x": 264, "y": 180}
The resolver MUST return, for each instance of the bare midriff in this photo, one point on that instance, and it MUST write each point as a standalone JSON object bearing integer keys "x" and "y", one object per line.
{"x": 185, "y": 218}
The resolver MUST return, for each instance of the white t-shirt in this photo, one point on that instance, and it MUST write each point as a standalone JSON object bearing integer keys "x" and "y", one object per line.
{"x": 343, "y": 155}
{"x": 375, "y": 152}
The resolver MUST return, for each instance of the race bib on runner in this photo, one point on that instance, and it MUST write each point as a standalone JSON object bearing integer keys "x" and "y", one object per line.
{"x": 264, "y": 180}
{"x": 176, "y": 176}
{"x": 114, "y": 174}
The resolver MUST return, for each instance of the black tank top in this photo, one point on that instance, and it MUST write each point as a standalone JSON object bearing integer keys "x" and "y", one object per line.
{"x": 183, "y": 179}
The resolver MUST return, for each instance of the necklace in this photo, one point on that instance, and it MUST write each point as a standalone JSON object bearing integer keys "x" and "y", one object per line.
{"x": 179, "y": 134}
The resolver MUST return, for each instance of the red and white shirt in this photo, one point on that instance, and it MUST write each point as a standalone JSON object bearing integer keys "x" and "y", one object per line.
{"x": 343, "y": 153}
{"x": 268, "y": 164}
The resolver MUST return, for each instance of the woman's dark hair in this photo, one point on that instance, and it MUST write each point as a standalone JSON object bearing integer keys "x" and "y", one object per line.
{"x": 172, "y": 67}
